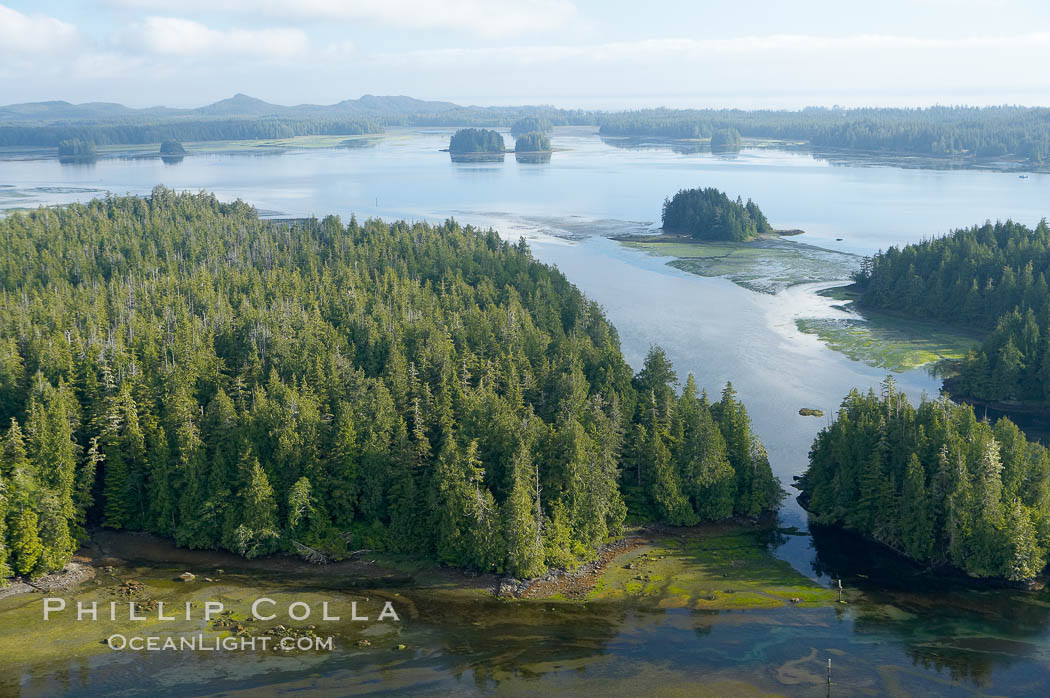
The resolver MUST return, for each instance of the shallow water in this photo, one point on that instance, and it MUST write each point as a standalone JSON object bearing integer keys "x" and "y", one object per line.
{"x": 709, "y": 326}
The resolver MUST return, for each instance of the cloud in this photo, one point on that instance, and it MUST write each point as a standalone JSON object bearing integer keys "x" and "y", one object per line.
{"x": 340, "y": 50}
{"x": 34, "y": 34}
{"x": 779, "y": 46}
{"x": 489, "y": 18}
{"x": 171, "y": 36}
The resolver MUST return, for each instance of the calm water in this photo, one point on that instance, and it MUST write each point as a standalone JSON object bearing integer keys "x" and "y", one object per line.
{"x": 710, "y": 327}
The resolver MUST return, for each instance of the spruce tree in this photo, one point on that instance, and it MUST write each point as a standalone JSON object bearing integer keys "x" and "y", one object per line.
{"x": 57, "y": 545}
{"x": 257, "y": 532}
{"x": 26, "y": 547}
{"x": 522, "y": 531}
{"x": 916, "y": 529}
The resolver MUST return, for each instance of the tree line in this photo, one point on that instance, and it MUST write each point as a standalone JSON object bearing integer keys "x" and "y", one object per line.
{"x": 959, "y": 132}
{"x": 1020, "y": 132}
{"x": 934, "y": 484}
{"x": 531, "y": 124}
{"x": 709, "y": 214}
{"x": 174, "y": 364}
{"x": 990, "y": 278}
{"x": 137, "y": 132}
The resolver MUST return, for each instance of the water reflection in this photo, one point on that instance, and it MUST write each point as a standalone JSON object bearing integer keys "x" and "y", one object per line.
{"x": 537, "y": 158}
{"x": 471, "y": 158}
{"x": 360, "y": 143}
{"x": 943, "y": 622}
{"x": 81, "y": 161}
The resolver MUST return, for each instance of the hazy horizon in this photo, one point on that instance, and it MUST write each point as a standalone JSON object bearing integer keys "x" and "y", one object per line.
{"x": 569, "y": 53}
{"x": 644, "y": 101}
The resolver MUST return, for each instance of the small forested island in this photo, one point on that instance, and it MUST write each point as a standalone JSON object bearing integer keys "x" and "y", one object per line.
{"x": 476, "y": 140}
{"x": 76, "y": 149}
{"x": 532, "y": 142}
{"x": 934, "y": 484}
{"x": 172, "y": 148}
{"x": 989, "y": 278}
{"x": 174, "y": 364}
{"x": 530, "y": 124}
{"x": 725, "y": 139}
{"x": 708, "y": 214}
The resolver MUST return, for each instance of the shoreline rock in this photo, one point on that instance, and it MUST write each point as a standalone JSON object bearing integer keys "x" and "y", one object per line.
{"x": 72, "y": 575}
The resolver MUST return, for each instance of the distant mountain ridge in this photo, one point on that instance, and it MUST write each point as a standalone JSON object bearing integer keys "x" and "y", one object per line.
{"x": 239, "y": 106}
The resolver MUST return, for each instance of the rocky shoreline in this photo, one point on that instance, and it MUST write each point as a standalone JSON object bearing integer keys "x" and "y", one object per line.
{"x": 71, "y": 576}
{"x": 573, "y": 584}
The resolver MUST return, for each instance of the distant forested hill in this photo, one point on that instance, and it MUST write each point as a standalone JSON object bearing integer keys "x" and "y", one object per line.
{"x": 176, "y": 365}
{"x": 243, "y": 117}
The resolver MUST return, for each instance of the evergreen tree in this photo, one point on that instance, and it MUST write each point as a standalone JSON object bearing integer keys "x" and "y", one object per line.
{"x": 257, "y": 533}
{"x": 26, "y": 547}
{"x": 521, "y": 523}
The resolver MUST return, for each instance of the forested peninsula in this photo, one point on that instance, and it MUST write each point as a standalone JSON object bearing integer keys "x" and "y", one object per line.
{"x": 709, "y": 214}
{"x": 174, "y": 364}
{"x": 934, "y": 484}
{"x": 990, "y": 278}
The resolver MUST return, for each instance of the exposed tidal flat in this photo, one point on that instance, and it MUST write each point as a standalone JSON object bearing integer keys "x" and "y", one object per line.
{"x": 767, "y": 265}
{"x": 900, "y": 633}
{"x": 725, "y": 567}
{"x": 702, "y": 611}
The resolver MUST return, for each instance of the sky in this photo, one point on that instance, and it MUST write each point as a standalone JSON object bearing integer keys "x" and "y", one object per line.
{"x": 570, "y": 53}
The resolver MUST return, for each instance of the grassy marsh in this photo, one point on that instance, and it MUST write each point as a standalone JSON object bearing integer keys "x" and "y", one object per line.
{"x": 887, "y": 342}
{"x": 716, "y": 568}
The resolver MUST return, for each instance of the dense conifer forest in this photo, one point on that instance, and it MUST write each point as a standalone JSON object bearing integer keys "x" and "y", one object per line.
{"x": 176, "y": 365}
{"x": 708, "y": 214}
{"x": 476, "y": 140}
{"x": 990, "y": 278}
{"x": 530, "y": 124}
{"x": 532, "y": 142}
{"x": 934, "y": 484}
